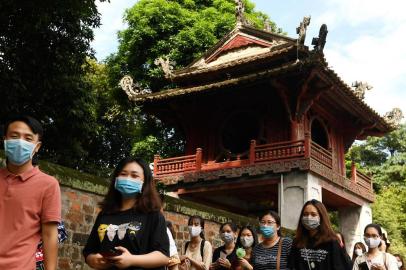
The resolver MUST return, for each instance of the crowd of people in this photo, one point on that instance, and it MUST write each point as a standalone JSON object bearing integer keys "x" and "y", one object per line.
{"x": 130, "y": 232}
{"x": 315, "y": 245}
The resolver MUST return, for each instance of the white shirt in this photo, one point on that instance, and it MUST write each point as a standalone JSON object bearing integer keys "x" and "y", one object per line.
{"x": 172, "y": 246}
{"x": 391, "y": 262}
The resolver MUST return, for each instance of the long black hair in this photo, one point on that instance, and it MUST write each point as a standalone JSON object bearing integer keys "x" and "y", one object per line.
{"x": 201, "y": 221}
{"x": 253, "y": 232}
{"x": 324, "y": 232}
{"x": 147, "y": 201}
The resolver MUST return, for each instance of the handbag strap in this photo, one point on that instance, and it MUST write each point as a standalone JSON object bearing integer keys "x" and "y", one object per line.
{"x": 278, "y": 258}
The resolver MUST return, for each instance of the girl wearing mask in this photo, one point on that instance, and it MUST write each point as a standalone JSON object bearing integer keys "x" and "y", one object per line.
{"x": 225, "y": 255}
{"x": 316, "y": 246}
{"x": 247, "y": 239}
{"x": 374, "y": 259}
{"x": 274, "y": 250}
{"x": 130, "y": 232}
{"x": 196, "y": 253}
{"x": 359, "y": 249}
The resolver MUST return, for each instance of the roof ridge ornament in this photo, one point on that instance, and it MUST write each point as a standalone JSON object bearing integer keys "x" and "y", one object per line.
{"x": 167, "y": 66}
{"x": 301, "y": 30}
{"x": 132, "y": 89}
{"x": 320, "y": 41}
{"x": 267, "y": 26}
{"x": 360, "y": 88}
{"x": 239, "y": 13}
{"x": 394, "y": 117}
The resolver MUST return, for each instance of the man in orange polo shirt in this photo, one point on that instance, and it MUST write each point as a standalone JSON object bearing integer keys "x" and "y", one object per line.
{"x": 30, "y": 200}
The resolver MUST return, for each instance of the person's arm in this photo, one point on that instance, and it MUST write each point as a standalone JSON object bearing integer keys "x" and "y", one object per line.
{"x": 50, "y": 216}
{"x": 50, "y": 242}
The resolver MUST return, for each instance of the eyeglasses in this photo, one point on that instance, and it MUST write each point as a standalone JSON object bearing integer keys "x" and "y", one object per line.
{"x": 269, "y": 222}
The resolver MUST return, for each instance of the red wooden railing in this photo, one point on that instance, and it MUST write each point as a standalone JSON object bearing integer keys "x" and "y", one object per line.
{"x": 276, "y": 151}
{"x": 178, "y": 164}
{"x": 321, "y": 154}
{"x": 360, "y": 179}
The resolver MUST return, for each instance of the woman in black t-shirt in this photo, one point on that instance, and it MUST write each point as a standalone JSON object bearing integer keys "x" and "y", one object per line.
{"x": 316, "y": 246}
{"x": 225, "y": 255}
{"x": 130, "y": 232}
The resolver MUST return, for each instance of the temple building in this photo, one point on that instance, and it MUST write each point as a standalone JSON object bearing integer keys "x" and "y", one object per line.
{"x": 267, "y": 124}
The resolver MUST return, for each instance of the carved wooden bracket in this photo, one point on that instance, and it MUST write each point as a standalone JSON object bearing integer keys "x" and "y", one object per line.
{"x": 299, "y": 100}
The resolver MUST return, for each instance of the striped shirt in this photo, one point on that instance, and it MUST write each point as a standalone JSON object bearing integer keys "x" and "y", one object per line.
{"x": 266, "y": 258}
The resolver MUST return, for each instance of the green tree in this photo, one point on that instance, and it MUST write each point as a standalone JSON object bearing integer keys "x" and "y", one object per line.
{"x": 181, "y": 30}
{"x": 43, "y": 47}
{"x": 385, "y": 159}
{"x": 389, "y": 210}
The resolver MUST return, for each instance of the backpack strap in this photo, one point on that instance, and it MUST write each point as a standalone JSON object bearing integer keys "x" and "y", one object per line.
{"x": 278, "y": 258}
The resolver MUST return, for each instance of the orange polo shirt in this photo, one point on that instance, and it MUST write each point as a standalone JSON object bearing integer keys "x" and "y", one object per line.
{"x": 26, "y": 201}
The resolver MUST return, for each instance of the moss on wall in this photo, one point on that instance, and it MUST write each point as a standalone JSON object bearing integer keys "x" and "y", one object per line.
{"x": 72, "y": 178}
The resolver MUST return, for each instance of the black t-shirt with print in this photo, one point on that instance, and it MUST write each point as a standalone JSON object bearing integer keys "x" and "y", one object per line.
{"x": 326, "y": 256}
{"x": 140, "y": 233}
{"x": 232, "y": 257}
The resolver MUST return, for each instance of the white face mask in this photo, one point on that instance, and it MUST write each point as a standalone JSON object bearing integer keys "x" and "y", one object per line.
{"x": 372, "y": 242}
{"x": 358, "y": 252}
{"x": 400, "y": 265}
{"x": 195, "y": 230}
{"x": 247, "y": 241}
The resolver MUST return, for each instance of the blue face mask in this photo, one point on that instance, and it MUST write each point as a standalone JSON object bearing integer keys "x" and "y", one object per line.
{"x": 127, "y": 187}
{"x": 18, "y": 151}
{"x": 267, "y": 231}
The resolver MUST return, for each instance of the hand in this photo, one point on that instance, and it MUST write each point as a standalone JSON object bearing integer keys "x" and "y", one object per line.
{"x": 182, "y": 258}
{"x": 97, "y": 261}
{"x": 124, "y": 260}
{"x": 213, "y": 266}
{"x": 245, "y": 264}
{"x": 224, "y": 262}
{"x": 377, "y": 267}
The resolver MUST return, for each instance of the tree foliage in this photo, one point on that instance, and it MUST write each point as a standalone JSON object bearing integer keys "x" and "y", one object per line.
{"x": 181, "y": 30}
{"x": 385, "y": 159}
{"x": 43, "y": 47}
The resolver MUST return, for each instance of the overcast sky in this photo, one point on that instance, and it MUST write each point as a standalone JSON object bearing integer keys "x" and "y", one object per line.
{"x": 366, "y": 39}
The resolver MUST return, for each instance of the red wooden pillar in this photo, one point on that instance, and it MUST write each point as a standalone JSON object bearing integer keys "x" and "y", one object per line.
{"x": 252, "y": 151}
{"x": 156, "y": 158}
{"x": 353, "y": 172}
{"x": 307, "y": 144}
{"x": 294, "y": 130}
{"x": 198, "y": 159}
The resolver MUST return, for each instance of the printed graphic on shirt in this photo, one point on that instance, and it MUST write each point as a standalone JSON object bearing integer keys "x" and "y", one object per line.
{"x": 312, "y": 255}
{"x": 121, "y": 230}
